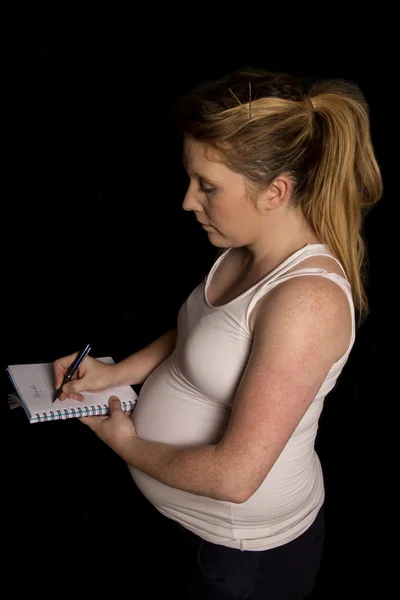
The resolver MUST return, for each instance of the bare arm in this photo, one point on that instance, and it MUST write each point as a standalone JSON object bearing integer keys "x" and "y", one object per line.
{"x": 301, "y": 331}
{"x": 136, "y": 368}
{"x": 93, "y": 375}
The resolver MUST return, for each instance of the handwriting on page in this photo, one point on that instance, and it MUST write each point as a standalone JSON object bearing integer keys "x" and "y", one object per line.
{"x": 36, "y": 393}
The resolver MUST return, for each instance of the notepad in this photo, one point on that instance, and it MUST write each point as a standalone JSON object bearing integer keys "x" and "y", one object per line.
{"x": 34, "y": 384}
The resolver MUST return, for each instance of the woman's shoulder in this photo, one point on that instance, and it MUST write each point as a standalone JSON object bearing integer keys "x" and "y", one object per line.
{"x": 308, "y": 306}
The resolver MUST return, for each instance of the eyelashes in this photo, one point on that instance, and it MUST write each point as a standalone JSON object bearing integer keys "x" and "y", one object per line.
{"x": 207, "y": 191}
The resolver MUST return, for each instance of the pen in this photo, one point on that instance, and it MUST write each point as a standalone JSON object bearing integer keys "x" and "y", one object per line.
{"x": 70, "y": 372}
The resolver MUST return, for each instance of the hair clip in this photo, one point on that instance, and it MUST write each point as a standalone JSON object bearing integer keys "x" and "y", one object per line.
{"x": 236, "y": 98}
{"x": 238, "y": 101}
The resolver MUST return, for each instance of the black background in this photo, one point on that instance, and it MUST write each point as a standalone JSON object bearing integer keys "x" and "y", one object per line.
{"x": 97, "y": 248}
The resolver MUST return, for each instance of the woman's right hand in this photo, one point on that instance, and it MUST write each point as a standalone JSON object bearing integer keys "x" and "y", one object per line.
{"x": 91, "y": 376}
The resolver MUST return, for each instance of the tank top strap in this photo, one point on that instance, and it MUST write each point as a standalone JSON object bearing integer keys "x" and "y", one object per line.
{"x": 287, "y": 270}
{"x": 318, "y": 250}
{"x": 210, "y": 274}
{"x": 298, "y": 257}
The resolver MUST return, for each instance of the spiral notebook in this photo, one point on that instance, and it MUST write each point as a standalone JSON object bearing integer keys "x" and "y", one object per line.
{"x": 34, "y": 385}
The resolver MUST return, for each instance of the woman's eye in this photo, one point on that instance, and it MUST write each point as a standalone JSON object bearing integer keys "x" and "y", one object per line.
{"x": 207, "y": 191}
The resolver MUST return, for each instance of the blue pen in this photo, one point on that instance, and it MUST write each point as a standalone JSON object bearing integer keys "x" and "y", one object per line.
{"x": 70, "y": 372}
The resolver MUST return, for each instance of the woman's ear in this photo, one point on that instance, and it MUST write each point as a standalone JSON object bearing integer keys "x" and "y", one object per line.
{"x": 277, "y": 193}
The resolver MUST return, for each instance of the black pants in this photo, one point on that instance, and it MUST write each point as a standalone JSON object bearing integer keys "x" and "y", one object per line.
{"x": 284, "y": 573}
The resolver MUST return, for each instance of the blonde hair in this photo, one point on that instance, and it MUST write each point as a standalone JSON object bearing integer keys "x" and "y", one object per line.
{"x": 264, "y": 124}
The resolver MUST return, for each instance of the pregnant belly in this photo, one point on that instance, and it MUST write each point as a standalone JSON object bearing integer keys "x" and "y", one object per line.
{"x": 171, "y": 412}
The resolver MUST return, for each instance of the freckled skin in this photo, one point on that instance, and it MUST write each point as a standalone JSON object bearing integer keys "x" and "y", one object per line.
{"x": 300, "y": 329}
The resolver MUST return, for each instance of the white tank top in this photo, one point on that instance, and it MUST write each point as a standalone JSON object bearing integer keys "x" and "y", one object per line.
{"x": 188, "y": 400}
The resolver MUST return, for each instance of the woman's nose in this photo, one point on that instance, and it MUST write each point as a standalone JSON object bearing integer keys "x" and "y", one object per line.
{"x": 190, "y": 201}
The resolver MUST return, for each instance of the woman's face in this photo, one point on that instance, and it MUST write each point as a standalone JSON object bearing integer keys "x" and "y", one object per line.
{"x": 219, "y": 198}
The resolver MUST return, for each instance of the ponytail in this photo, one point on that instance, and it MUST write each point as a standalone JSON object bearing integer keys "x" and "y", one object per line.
{"x": 346, "y": 178}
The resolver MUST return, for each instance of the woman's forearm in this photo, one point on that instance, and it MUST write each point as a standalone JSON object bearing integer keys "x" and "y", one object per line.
{"x": 198, "y": 470}
{"x": 136, "y": 368}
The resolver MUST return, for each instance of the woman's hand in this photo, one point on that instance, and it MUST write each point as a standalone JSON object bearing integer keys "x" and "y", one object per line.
{"x": 92, "y": 376}
{"x": 115, "y": 429}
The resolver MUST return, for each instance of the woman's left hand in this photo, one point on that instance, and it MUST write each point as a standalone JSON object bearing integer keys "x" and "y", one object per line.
{"x": 115, "y": 429}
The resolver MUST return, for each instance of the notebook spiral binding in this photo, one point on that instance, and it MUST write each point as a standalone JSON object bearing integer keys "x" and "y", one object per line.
{"x": 91, "y": 410}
